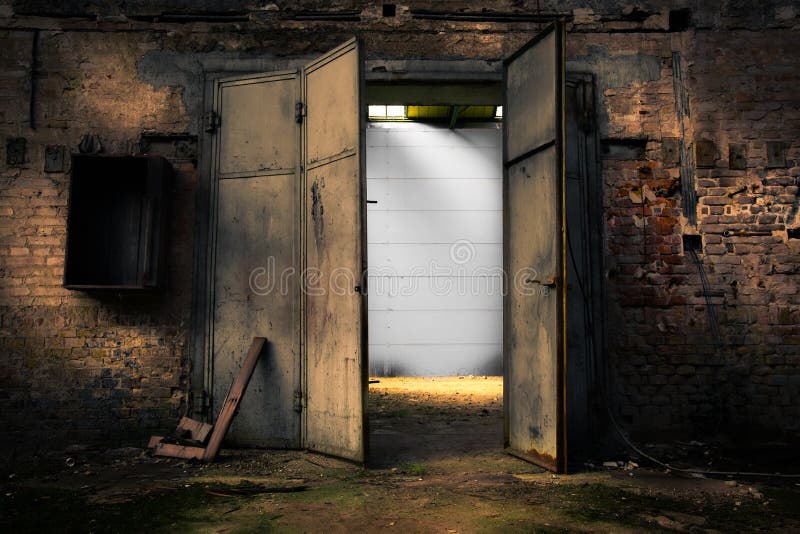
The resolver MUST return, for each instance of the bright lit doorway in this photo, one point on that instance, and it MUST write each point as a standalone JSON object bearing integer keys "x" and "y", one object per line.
{"x": 435, "y": 257}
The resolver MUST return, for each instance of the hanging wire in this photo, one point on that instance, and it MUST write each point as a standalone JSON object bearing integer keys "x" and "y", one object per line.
{"x": 712, "y": 313}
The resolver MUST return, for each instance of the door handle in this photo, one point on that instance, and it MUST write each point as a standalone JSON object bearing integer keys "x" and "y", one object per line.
{"x": 550, "y": 282}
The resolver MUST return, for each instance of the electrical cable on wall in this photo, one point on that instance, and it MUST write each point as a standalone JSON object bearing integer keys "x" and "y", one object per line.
{"x": 713, "y": 322}
{"x": 712, "y": 314}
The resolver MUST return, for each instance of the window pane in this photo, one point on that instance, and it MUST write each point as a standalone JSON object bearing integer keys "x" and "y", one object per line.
{"x": 396, "y": 112}
{"x": 377, "y": 111}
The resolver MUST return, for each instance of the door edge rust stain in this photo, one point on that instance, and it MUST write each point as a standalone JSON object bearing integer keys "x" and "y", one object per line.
{"x": 541, "y": 459}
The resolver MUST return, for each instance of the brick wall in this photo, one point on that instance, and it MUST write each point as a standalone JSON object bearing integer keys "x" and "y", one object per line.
{"x": 671, "y": 370}
{"x": 79, "y": 366}
{"x": 115, "y": 367}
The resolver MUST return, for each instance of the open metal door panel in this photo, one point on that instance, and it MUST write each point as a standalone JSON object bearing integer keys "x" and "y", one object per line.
{"x": 534, "y": 253}
{"x": 255, "y": 238}
{"x": 336, "y": 367}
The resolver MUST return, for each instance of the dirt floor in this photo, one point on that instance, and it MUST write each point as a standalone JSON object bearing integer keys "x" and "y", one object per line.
{"x": 436, "y": 465}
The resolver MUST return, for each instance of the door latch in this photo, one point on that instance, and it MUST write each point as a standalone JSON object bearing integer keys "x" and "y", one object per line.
{"x": 298, "y": 401}
{"x": 298, "y": 113}
{"x": 550, "y": 282}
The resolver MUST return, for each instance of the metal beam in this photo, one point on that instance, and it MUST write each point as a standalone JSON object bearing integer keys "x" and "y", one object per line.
{"x": 435, "y": 94}
{"x": 454, "y": 112}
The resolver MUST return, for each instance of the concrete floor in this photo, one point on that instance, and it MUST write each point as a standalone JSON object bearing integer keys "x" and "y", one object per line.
{"x": 436, "y": 466}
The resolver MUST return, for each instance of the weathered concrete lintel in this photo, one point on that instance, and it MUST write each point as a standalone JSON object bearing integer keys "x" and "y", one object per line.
{"x": 433, "y": 70}
{"x": 374, "y": 69}
{"x": 160, "y": 69}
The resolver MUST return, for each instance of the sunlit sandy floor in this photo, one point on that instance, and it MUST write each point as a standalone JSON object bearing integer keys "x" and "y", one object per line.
{"x": 434, "y": 419}
{"x": 482, "y": 388}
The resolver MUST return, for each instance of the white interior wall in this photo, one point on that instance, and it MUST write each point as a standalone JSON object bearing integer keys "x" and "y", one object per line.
{"x": 434, "y": 249}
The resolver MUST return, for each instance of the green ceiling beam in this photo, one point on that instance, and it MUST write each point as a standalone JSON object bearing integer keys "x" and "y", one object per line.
{"x": 454, "y": 111}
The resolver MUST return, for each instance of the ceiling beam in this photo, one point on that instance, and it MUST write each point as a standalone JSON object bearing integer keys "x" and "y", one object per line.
{"x": 454, "y": 111}
{"x": 433, "y": 94}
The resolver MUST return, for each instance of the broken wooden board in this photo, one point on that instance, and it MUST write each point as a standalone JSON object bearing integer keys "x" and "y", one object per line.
{"x": 199, "y": 431}
{"x": 173, "y": 450}
{"x": 196, "y": 430}
{"x": 231, "y": 402}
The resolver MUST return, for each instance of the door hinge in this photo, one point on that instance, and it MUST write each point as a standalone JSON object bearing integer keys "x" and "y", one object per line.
{"x": 298, "y": 401}
{"x": 298, "y": 113}
{"x": 201, "y": 403}
{"x": 212, "y": 122}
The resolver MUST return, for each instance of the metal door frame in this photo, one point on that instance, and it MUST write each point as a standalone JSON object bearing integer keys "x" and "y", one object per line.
{"x": 375, "y": 71}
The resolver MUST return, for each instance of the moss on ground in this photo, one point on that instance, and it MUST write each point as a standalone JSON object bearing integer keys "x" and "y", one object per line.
{"x": 379, "y": 498}
{"x": 182, "y": 509}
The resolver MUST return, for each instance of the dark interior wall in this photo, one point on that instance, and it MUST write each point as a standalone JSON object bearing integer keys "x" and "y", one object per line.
{"x": 116, "y": 366}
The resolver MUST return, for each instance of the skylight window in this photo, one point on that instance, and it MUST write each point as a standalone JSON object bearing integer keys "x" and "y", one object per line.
{"x": 395, "y": 112}
{"x": 392, "y": 112}
{"x": 434, "y": 113}
{"x": 376, "y": 111}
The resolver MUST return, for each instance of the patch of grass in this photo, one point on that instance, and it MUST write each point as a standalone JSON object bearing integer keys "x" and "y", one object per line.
{"x": 178, "y": 510}
{"x": 412, "y": 469}
{"x": 340, "y": 492}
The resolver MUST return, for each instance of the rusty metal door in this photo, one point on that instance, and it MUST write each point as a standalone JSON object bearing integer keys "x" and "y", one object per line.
{"x": 255, "y": 248}
{"x": 534, "y": 251}
{"x": 334, "y": 213}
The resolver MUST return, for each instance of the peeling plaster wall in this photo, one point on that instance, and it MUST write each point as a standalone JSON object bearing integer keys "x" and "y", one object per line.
{"x": 77, "y": 367}
{"x": 614, "y": 70}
